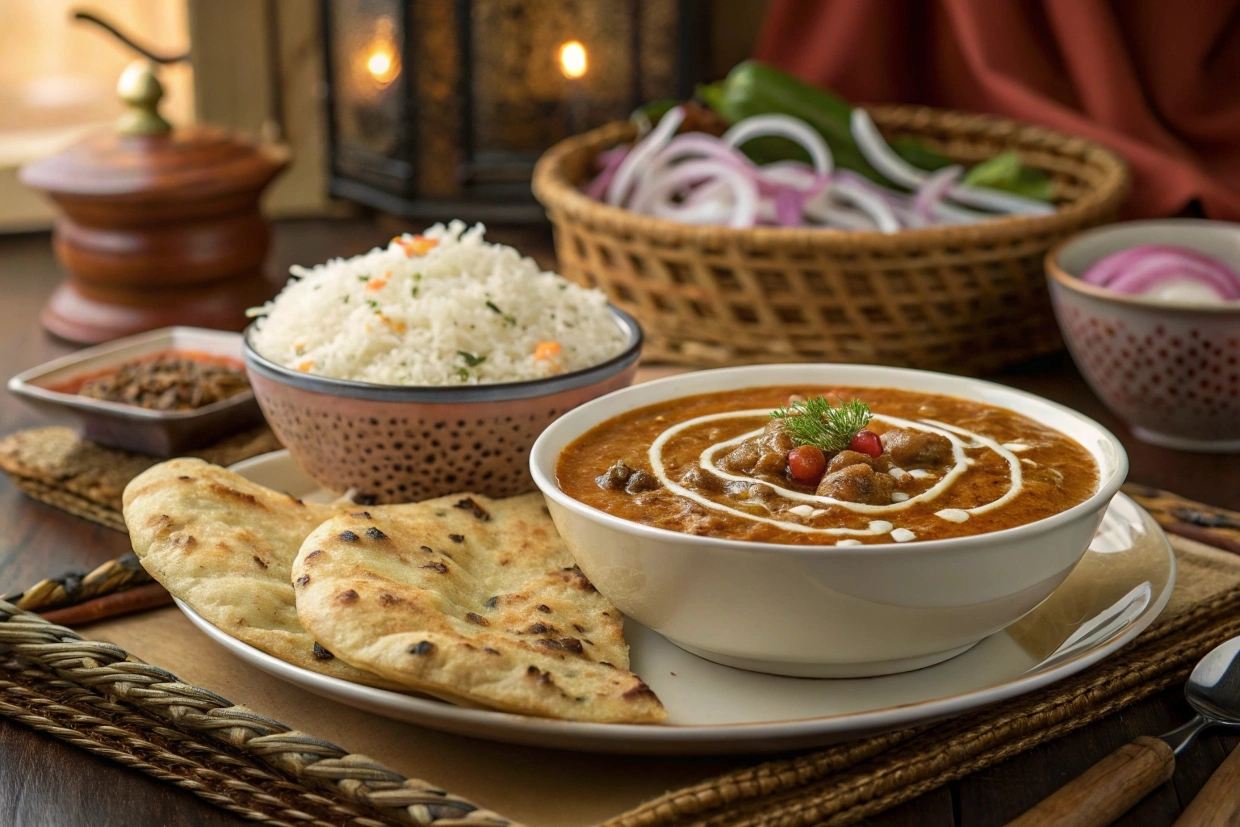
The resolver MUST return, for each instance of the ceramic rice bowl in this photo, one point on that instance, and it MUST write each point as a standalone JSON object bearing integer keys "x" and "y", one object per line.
{"x": 393, "y": 444}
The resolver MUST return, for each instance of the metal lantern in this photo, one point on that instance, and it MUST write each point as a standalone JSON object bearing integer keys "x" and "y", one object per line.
{"x": 441, "y": 107}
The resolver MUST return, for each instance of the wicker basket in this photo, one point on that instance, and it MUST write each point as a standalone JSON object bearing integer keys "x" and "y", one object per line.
{"x": 966, "y": 299}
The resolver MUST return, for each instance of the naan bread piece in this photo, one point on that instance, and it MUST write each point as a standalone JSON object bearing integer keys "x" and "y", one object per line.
{"x": 472, "y": 597}
{"x": 225, "y": 546}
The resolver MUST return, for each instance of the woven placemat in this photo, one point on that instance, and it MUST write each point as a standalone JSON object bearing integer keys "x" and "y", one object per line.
{"x": 56, "y": 466}
{"x": 97, "y": 697}
{"x": 839, "y": 785}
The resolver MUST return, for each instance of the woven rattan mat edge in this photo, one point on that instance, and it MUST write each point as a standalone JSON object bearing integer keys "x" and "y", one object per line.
{"x": 845, "y": 784}
{"x": 96, "y": 696}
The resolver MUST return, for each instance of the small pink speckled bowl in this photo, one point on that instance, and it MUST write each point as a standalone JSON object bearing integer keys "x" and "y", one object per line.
{"x": 1171, "y": 370}
{"x": 404, "y": 444}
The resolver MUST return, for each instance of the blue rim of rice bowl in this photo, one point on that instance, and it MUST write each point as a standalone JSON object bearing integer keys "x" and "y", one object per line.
{"x": 489, "y": 392}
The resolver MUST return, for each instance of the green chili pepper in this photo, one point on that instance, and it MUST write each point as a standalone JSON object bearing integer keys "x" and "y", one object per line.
{"x": 754, "y": 88}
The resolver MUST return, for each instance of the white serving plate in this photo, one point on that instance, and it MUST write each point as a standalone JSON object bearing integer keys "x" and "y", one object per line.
{"x": 1120, "y": 586}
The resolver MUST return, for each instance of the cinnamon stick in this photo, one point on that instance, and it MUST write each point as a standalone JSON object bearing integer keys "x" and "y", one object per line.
{"x": 137, "y": 599}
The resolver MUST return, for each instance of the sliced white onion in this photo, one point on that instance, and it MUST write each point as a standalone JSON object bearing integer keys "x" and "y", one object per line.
{"x": 999, "y": 201}
{"x": 710, "y": 203}
{"x": 784, "y": 126}
{"x": 643, "y": 151}
{"x": 693, "y": 145}
{"x": 880, "y": 155}
{"x": 945, "y": 213}
{"x": 934, "y": 188}
{"x": 660, "y": 193}
{"x": 830, "y": 212}
{"x": 868, "y": 202}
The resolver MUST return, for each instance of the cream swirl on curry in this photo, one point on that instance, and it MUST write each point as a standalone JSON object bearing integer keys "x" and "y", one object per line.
{"x": 887, "y": 466}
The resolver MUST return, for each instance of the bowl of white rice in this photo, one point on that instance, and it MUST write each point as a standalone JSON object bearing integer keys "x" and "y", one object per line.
{"x": 430, "y": 366}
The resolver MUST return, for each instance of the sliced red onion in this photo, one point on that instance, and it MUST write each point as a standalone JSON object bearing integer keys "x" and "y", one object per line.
{"x": 1154, "y": 268}
{"x": 1108, "y": 267}
{"x": 780, "y": 175}
{"x": 934, "y": 188}
{"x": 784, "y": 126}
{"x": 789, "y": 206}
{"x": 608, "y": 162}
{"x": 621, "y": 184}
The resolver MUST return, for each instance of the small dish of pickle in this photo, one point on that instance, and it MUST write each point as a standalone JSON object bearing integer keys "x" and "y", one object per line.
{"x": 158, "y": 393}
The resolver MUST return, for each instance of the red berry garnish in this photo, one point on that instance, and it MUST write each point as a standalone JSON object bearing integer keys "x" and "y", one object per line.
{"x": 806, "y": 464}
{"x": 867, "y": 442}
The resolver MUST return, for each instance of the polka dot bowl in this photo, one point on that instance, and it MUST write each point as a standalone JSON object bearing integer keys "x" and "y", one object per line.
{"x": 1170, "y": 370}
{"x": 403, "y": 444}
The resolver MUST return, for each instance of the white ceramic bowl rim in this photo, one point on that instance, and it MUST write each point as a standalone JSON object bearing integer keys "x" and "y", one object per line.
{"x": 445, "y": 394}
{"x": 544, "y": 477}
{"x": 1057, "y": 272}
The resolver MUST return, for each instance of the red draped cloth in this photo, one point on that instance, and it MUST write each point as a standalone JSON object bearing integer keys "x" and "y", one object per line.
{"x": 1158, "y": 81}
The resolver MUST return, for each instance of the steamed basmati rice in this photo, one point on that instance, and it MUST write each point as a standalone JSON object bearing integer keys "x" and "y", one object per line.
{"x": 462, "y": 312}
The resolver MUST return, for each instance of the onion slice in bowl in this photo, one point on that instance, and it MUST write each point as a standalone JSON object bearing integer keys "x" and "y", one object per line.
{"x": 1165, "y": 271}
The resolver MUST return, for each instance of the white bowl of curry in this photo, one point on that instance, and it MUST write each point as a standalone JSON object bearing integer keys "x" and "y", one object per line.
{"x": 942, "y": 510}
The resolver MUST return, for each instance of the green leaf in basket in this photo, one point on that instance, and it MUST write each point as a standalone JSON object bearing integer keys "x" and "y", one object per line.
{"x": 1006, "y": 172}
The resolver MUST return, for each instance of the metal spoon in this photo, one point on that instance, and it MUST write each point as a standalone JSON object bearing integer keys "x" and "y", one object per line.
{"x": 1111, "y": 787}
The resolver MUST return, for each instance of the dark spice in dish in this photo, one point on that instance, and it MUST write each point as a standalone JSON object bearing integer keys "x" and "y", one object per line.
{"x": 171, "y": 380}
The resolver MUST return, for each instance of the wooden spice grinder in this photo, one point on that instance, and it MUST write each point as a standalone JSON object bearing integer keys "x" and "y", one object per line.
{"x": 157, "y": 226}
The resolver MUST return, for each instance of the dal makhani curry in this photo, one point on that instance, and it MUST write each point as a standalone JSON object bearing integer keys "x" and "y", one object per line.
{"x": 801, "y": 465}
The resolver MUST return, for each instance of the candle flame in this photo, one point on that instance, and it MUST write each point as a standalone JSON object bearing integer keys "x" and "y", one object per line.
{"x": 573, "y": 59}
{"x": 382, "y": 65}
{"x": 379, "y": 59}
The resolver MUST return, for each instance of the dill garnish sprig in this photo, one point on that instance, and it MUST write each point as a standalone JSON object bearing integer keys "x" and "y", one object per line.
{"x": 814, "y": 422}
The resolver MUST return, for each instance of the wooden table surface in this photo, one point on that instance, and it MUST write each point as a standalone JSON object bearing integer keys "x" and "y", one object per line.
{"x": 46, "y": 783}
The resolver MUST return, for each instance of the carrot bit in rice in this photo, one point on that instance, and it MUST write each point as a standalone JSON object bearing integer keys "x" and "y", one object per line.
{"x": 418, "y": 245}
{"x": 547, "y": 350}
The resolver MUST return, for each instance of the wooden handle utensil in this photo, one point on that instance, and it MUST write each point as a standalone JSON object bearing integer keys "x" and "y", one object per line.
{"x": 1107, "y": 790}
{"x": 1218, "y": 803}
